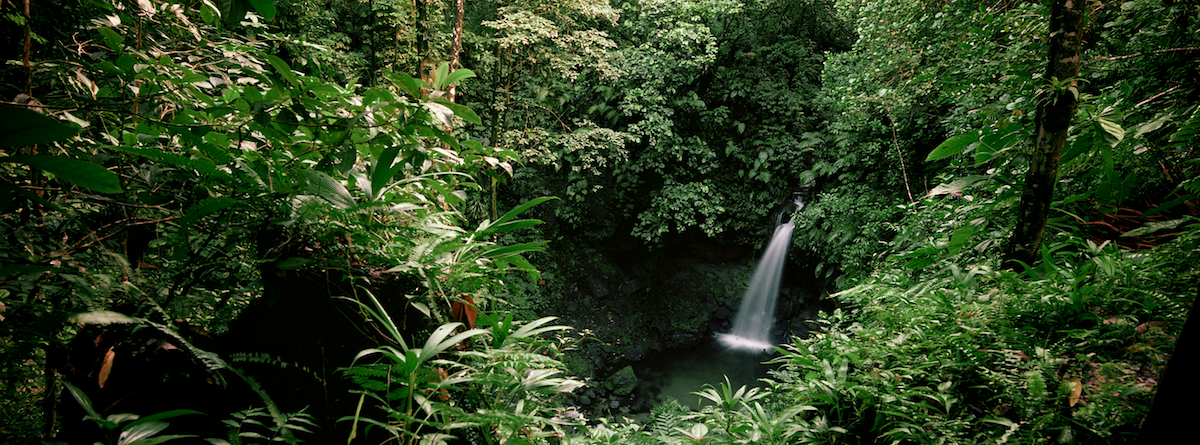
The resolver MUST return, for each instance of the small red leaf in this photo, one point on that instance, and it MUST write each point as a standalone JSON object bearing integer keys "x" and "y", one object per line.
{"x": 1150, "y": 325}
{"x": 1076, "y": 391}
{"x": 106, "y": 367}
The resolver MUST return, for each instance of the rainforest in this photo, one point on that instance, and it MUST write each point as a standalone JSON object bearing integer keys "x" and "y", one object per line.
{"x": 598, "y": 221}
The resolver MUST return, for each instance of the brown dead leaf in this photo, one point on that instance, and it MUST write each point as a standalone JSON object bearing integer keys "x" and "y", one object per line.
{"x": 106, "y": 367}
{"x": 463, "y": 311}
{"x": 1150, "y": 325}
{"x": 1076, "y": 391}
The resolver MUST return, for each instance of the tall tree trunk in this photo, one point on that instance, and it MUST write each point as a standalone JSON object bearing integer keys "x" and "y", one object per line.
{"x": 1056, "y": 107}
{"x": 458, "y": 31}
{"x": 421, "y": 8}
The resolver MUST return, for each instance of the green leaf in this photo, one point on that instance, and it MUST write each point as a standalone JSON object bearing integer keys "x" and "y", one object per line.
{"x": 232, "y": 11}
{"x": 521, "y": 208}
{"x": 140, "y": 432}
{"x": 159, "y": 439}
{"x": 102, "y": 318}
{"x": 112, "y": 39}
{"x": 200, "y": 165}
{"x": 952, "y": 146}
{"x": 382, "y": 171}
{"x": 265, "y": 8}
{"x": 21, "y": 126}
{"x": 329, "y": 188}
{"x": 511, "y": 225}
{"x": 1111, "y": 128}
{"x": 1188, "y": 132}
{"x": 456, "y": 76}
{"x": 86, "y": 404}
{"x": 960, "y": 236}
{"x": 411, "y": 86}
{"x": 81, "y": 173}
{"x": 282, "y": 67}
{"x": 205, "y": 208}
{"x": 439, "y": 76}
{"x": 1152, "y": 227}
{"x": 461, "y": 111}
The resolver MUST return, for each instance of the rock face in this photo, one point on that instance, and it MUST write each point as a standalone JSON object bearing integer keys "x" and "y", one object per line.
{"x": 637, "y": 301}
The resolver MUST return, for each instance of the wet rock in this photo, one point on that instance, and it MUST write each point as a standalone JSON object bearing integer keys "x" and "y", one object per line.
{"x": 722, "y": 313}
{"x": 683, "y": 338}
{"x": 599, "y": 288}
{"x": 630, "y": 287}
{"x": 622, "y": 383}
{"x": 634, "y": 354}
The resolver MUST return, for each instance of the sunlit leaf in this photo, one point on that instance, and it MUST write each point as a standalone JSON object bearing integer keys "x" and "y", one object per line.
{"x": 461, "y": 111}
{"x": 952, "y": 146}
{"x": 102, "y": 318}
{"x": 456, "y": 76}
{"x": 1152, "y": 227}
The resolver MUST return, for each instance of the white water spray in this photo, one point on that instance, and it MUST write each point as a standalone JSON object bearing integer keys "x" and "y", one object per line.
{"x": 752, "y": 327}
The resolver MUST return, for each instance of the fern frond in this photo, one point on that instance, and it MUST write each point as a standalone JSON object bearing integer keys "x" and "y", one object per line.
{"x": 1189, "y": 133}
{"x": 265, "y": 358}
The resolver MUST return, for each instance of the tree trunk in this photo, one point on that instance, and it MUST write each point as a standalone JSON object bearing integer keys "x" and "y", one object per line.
{"x": 457, "y": 50}
{"x": 1056, "y": 107}
{"x": 1177, "y": 388}
{"x": 421, "y": 7}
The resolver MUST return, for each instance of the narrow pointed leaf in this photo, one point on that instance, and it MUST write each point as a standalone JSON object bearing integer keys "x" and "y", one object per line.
{"x": 81, "y": 173}
{"x": 521, "y": 208}
{"x": 952, "y": 146}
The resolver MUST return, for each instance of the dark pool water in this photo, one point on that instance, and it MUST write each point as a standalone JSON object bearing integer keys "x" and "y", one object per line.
{"x": 679, "y": 372}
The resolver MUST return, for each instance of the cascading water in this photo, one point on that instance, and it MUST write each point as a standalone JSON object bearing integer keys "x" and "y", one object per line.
{"x": 752, "y": 326}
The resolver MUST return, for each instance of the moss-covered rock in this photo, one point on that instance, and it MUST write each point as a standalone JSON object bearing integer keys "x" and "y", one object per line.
{"x": 623, "y": 382}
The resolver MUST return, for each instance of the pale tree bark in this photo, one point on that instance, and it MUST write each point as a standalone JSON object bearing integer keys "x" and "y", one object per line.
{"x": 458, "y": 31}
{"x": 1056, "y": 107}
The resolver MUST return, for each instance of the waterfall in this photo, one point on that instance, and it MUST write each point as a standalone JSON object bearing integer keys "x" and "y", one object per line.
{"x": 752, "y": 327}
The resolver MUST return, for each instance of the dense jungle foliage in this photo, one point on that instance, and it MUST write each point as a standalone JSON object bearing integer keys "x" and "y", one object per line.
{"x": 253, "y": 221}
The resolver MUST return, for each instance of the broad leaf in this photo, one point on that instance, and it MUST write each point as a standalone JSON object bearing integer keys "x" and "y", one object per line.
{"x": 206, "y": 207}
{"x": 952, "y": 146}
{"x": 232, "y": 11}
{"x": 265, "y": 8}
{"x": 280, "y": 66}
{"x": 20, "y": 127}
{"x": 456, "y": 76}
{"x": 461, "y": 111}
{"x": 329, "y": 188}
{"x": 81, "y": 173}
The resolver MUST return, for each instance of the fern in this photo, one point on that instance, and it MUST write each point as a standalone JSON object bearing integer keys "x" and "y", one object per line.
{"x": 667, "y": 416}
{"x": 246, "y": 425}
{"x": 1189, "y": 133}
{"x": 265, "y": 358}
{"x": 374, "y": 378}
